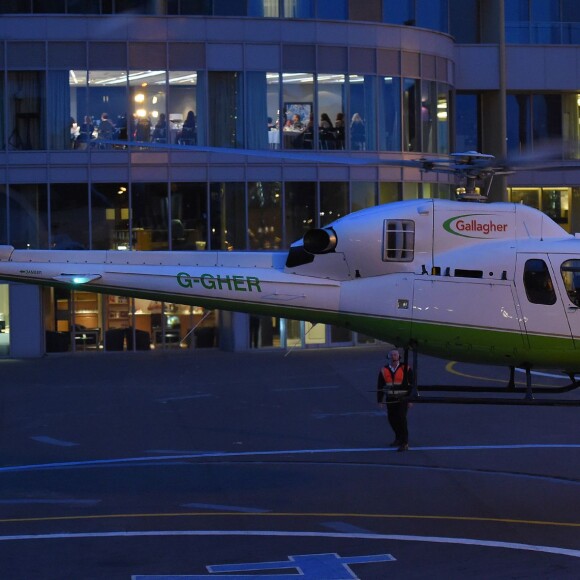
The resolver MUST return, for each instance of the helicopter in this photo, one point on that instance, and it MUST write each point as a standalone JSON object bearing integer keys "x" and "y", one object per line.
{"x": 490, "y": 283}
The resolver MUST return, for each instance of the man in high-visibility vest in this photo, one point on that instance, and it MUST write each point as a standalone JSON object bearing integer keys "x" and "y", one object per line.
{"x": 392, "y": 385}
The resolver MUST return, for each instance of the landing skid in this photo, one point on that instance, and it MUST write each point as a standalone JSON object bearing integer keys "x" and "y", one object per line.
{"x": 508, "y": 392}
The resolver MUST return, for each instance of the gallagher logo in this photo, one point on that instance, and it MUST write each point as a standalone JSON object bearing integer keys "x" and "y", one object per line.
{"x": 481, "y": 226}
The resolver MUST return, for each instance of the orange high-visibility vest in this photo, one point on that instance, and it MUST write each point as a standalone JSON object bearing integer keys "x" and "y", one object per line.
{"x": 394, "y": 381}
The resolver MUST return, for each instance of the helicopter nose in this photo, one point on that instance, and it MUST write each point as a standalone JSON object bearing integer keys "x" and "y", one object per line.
{"x": 320, "y": 240}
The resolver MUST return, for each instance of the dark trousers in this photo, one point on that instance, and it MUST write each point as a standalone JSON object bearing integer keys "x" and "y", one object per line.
{"x": 397, "y": 415}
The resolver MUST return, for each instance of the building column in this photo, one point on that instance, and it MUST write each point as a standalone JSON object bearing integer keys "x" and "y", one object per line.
{"x": 234, "y": 331}
{"x": 26, "y": 321}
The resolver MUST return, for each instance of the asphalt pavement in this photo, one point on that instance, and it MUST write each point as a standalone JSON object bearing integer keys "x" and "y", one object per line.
{"x": 207, "y": 464}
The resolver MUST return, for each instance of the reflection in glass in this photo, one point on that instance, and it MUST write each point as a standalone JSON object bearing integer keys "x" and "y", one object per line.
{"x": 333, "y": 201}
{"x": 298, "y": 8}
{"x": 362, "y": 127}
{"x": 518, "y": 122}
{"x": 107, "y": 95}
{"x": 110, "y": 216}
{"x": 362, "y": 194}
{"x": 467, "y": 129}
{"x": 183, "y": 104}
{"x": 300, "y": 206}
{"x": 298, "y": 111}
{"x": 265, "y": 215}
{"x": 150, "y": 216}
{"x": 227, "y": 216}
{"x": 411, "y": 114}
{"x": 264, "y": 8}
{"x": 226, "y": 109}
{"x": 69, "y": 216}
{"x": 390, "y": 114}
{"x": 28, "y": 216}
{"x": 147, "y": 92}
{"x": 189, "y": 216}
{"x": 428, "y": 115}
{"x": 331, "y": 95}
{"x": 442, "y": 118}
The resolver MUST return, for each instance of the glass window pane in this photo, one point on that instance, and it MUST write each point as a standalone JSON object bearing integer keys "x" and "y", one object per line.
{"x": 390, "y": 114}
{"x": 298, "y": 9}
{"x": 467, "y": 131}
{"x": 83, "y": 7}
{"x": 227, "y": 216}
{"x": 428, "y": 116}
{"x": 298, "y": 115}
{"x": 264, "y": 8}
{"x": 547, "y": 124}
{"x": 26, "y": 110}
{"x": 571, "y": 125}
{"x": 259, "y": 121}
{"x": 147, "y": 100}
{"x": 69, "y": 216}
{"x": 300, "y": 206}
{"x": 333, "y": 201}
{"x": 362, "y": 194}
{"x": 3, "y": 215}
{"x": 442, "y": 118}
{"x": 518, "y": 122}
{"x": 195, "y": 7}
{"x": 363, "y": 112}
{"x": 225, "y": 93}
{"x": 189, "y": 216}
{"x": 331, "y": 106}
{"x": 411, "y": 115}
{"x": 149, "y": 202}
{"x": 229, "y": 8}
{"x": 389, "y": 192}
{"x": 398, "y": 12}
{"x": 570, "y": 11}
{"x": 517, "y": 19}
{"x": 183, "y": 108}
{"x": 273, "y": 108}
{"x": 265, "y": 215}
{"x": 107, "y": 94}
{"x": 538, "y": 283}
{"x": 60, "y": 119}
{"x": 28, "y": 216}
{"x": 110, "y": 216}
{"x": 464, "y": 22}
{"x": 556, "y": 204}
{"x": 332, "y": 9}
{"x": 432, "y": 14}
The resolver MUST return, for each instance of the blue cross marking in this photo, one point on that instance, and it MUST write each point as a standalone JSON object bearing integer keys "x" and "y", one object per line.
{"x": 308, "y": 567}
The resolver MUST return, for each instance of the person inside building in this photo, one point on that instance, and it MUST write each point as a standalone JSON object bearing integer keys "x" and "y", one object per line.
{"x": 392, "y": 387}
{"x": 188, "y": 133}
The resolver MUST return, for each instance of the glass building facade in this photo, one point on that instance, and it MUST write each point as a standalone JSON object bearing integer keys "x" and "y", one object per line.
{"x": 380, "y": 79}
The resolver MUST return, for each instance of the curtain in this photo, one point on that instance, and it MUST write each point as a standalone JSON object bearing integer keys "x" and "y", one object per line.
{"x": 58, "y": 103}
{"x": 26, "y": 109}
{"x": 256, "y": 110}
{"x": 225, "y": 111}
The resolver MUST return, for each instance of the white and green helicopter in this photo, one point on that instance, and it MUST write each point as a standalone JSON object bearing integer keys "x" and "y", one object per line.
{"x": 493, "y": 283}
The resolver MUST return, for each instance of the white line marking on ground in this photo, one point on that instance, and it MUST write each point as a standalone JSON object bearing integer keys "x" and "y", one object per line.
{"x": 306, "y": 388}
{"x": 226, "y": 454}
{"x": 270, "y": 533}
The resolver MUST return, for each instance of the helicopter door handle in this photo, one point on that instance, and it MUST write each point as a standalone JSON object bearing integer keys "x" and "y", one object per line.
{"x": 572, "y": 308}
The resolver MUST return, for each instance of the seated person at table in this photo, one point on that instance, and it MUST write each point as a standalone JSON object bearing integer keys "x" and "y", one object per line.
{"x": 160, "y": 131}
{"x": 106, "y": 128}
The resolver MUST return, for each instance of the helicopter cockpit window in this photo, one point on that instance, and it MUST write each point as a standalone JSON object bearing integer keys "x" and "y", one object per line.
{"x": 570, "y": 271}
{"x": 538, "y": 283}
{"x": 399, "y": 241}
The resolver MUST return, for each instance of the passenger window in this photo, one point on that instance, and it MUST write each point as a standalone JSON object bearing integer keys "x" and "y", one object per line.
{"x": 399, "y": 241}
{"x": 570, "y": 271}
{"x": 538, "y": 283}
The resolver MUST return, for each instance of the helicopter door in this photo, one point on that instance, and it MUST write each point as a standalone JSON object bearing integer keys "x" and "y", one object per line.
{"x": 567, "y": 274}
{"x": 541, "y": 306}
